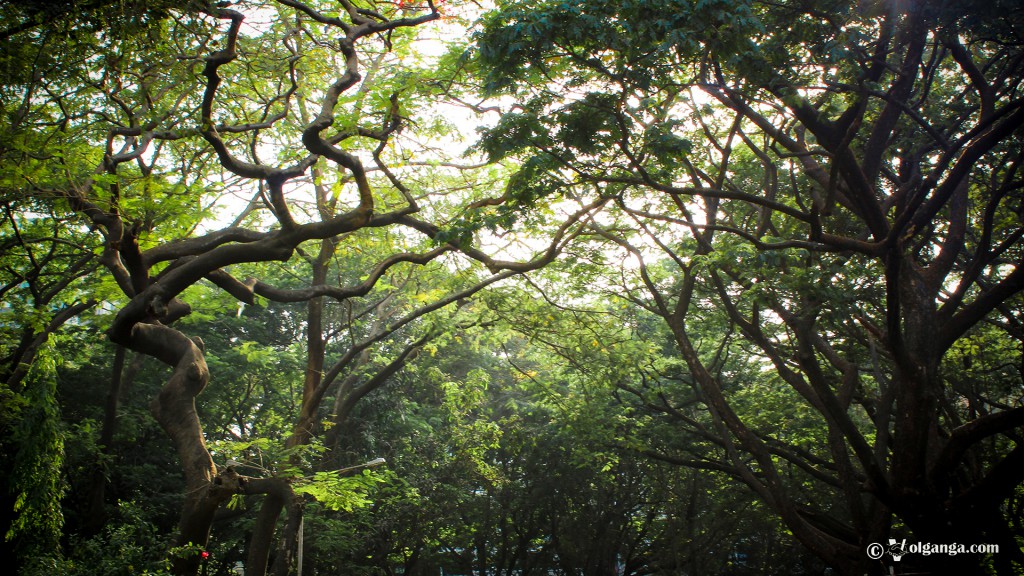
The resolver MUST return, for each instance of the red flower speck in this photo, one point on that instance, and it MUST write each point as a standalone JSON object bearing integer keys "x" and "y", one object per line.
{"x": 204, "y": 554}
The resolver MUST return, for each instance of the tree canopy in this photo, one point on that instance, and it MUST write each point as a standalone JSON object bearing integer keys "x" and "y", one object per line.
{"x": 575, "y": 287}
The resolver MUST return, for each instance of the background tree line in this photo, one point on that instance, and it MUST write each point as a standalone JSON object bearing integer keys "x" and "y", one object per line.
{"x": 636, "y": 287}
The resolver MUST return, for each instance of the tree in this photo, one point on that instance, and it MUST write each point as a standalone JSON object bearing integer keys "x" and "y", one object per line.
{"x": 146, "y": 132}
{"x": 818, "y": 201}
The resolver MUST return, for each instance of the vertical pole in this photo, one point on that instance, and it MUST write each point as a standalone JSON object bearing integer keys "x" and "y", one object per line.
{"x": 298, "y": 560}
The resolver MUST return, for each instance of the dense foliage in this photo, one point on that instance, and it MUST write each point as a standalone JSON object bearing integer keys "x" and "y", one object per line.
{"x": 571, "y": 287}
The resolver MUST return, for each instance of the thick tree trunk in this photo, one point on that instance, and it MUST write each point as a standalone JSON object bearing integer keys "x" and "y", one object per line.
{"x": 278, "y": 493}
{"x": 287, "y": 543}
{"x": 174, "y": 408}
{"x": 316, "y": 351}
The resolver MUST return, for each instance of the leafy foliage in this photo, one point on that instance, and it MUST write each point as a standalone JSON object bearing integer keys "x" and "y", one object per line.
{"x": 717, "y": 287}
